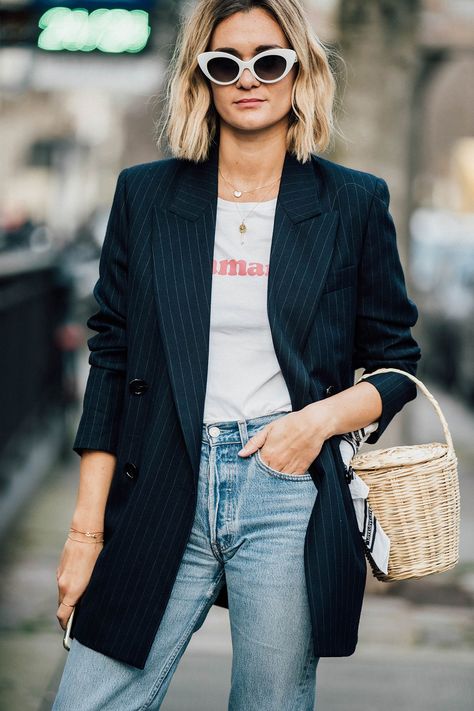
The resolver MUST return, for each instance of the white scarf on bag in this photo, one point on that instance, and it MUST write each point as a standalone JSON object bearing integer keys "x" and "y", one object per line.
{"x": 376, "y": 541}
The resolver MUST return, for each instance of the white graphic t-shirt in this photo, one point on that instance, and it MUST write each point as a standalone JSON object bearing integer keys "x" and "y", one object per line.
{"x": 244, "y": 376}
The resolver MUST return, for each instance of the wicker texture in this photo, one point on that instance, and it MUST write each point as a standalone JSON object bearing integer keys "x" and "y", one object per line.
{"x": 414, "y": 492}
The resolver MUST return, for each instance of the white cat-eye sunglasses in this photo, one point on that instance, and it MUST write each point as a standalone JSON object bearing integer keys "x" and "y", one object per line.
{"x": 268, "y": 66}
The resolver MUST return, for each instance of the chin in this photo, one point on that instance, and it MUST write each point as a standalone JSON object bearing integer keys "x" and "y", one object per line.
{"x": 255, "y": 127}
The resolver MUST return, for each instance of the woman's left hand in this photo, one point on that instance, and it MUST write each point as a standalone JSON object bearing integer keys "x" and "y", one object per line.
{"x": 292, "y": 442}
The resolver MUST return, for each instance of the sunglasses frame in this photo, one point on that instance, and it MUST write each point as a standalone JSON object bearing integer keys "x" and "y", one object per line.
{"x": 288, "y": 54}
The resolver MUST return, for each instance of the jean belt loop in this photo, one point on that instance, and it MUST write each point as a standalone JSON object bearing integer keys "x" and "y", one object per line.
{"x": 243, "y": 432}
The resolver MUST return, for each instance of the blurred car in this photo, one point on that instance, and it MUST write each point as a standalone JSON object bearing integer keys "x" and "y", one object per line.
{"x": 442, "y": 270}
{"x": 80, "y": 258}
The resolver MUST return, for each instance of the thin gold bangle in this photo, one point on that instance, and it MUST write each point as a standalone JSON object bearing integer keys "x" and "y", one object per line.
{"x": 90, "y": 542}
{"x": 89, "y": 534}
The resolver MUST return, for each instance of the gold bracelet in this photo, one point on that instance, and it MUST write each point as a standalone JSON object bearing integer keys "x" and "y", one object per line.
{"x": 89, "y": 534}
{"x": 91, "y": 542}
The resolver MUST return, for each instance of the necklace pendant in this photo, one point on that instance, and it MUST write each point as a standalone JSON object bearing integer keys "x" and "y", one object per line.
{"x": 237, "y": 193}
{"x": 242, "y": 228}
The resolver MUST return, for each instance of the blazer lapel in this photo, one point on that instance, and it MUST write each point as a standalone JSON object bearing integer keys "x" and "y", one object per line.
{"x": 182, "y": 250}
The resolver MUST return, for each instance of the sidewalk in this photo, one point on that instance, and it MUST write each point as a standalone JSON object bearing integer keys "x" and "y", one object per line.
{"x": 416, "y": 641}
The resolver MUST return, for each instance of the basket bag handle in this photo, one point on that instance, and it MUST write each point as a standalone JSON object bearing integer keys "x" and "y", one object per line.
{"x": 426, "y": 392}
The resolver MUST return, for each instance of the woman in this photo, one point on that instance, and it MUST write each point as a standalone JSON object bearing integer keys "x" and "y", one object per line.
{"x": 242, "y": 282}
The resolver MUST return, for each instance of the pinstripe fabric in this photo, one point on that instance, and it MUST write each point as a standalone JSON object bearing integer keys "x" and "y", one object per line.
{"x": 337, "y": 301}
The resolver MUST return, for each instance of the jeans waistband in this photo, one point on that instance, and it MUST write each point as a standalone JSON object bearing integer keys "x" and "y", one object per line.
{"x": 227, "y": 431}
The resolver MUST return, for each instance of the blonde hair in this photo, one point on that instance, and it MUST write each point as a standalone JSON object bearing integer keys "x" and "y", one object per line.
{"x": 190, "y": 120}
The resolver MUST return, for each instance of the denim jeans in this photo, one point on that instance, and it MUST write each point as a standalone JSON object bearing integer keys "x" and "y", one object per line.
{"x": 250, "y": 525}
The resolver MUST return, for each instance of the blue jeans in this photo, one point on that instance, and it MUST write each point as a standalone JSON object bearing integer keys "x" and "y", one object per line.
{"x": 250, "y": 524}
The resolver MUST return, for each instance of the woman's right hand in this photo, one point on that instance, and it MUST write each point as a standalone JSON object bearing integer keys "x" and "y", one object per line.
{"x": 73, "y": 574}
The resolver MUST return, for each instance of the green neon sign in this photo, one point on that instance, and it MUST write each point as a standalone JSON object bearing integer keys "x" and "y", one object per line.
{"x": 76, "y": 30}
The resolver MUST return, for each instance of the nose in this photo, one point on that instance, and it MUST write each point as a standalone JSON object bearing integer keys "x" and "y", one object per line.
{"x": 247, "y": 78}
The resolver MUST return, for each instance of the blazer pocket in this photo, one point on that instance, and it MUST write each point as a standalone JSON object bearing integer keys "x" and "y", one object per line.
{"x": 340, "y": 278}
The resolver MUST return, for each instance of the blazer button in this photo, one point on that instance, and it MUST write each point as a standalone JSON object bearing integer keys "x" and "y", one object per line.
{"x": 131, "y": 470}
{"x": 331, "y": 389}
{"x": 137, "y": 386}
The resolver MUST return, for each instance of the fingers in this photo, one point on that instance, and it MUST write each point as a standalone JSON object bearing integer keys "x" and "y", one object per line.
{"x": 255, "y": 442}
{"x": 66, "y": 602}
{"x": 63, "y": 613}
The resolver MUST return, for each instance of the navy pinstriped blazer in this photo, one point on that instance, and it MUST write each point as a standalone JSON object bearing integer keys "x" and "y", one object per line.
{"x": 337, "y": 301}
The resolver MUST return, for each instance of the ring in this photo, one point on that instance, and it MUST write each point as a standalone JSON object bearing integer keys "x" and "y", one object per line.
{"x": 67, "y": 604}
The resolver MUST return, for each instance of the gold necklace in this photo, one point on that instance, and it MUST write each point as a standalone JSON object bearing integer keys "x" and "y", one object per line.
{"x": 239, "y": 193}
{"x": 243, "y": 226}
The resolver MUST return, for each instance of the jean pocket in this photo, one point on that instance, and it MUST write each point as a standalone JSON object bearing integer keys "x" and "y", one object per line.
{"x": 280, "y": 475}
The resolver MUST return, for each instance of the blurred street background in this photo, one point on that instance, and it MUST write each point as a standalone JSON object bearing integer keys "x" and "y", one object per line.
{"x": 72, "y": 116}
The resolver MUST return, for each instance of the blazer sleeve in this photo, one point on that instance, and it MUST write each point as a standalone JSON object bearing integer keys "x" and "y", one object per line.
{"x": 385, "y": 313}
{"x": 103, "y": 397}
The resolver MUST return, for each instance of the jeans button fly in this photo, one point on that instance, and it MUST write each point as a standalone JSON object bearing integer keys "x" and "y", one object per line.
{"x": 214, "y": 431}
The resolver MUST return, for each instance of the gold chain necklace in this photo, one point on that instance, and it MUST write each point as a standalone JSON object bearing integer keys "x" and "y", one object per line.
{"x": 243, "y": 226}
{"x": 239, "y": 193}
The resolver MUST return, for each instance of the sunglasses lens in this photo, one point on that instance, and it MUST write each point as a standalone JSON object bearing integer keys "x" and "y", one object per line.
{"x": 223, "y": 69}
{"x": 270, "y": 67}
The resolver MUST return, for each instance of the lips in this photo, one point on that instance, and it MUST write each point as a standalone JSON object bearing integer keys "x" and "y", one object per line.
{"x": 249, "y": 101}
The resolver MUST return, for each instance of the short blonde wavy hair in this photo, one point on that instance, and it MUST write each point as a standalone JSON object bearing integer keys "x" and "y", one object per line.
{"x": 190, "y": 120}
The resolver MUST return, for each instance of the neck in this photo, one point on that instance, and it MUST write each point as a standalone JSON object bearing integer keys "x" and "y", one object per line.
{"x": 250, "y": 159}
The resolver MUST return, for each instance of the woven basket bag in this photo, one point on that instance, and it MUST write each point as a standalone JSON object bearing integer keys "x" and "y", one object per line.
{"x": 414, "y": 493}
